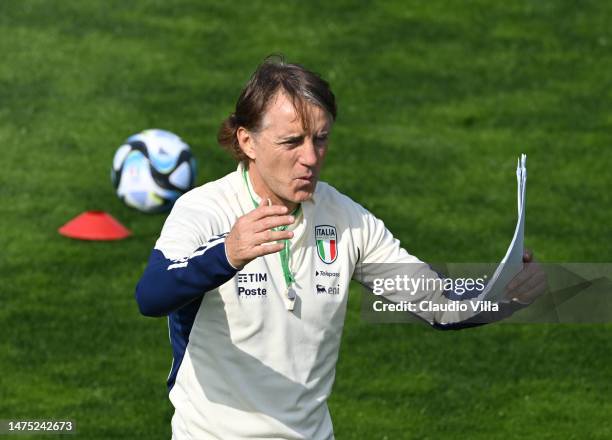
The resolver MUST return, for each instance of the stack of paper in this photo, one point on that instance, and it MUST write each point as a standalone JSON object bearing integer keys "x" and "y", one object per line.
{"x": 512, "y": 262}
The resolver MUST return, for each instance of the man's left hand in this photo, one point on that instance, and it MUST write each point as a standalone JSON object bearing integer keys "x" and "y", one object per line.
{"x": 529, "y": 283}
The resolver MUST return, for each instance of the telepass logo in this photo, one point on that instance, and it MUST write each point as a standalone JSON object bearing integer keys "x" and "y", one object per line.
{"x": 326, "y": 238}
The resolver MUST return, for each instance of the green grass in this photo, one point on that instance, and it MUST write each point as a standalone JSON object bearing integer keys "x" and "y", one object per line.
{"x": 436, "y": 101}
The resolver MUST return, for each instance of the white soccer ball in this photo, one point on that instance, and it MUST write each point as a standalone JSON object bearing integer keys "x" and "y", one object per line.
{"x": 152, "y": 169}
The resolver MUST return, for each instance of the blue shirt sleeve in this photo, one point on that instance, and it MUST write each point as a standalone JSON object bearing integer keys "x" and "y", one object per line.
{"x": 168, "y": 285}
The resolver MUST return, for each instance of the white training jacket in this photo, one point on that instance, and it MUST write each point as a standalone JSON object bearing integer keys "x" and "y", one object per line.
{"x": 245, "y": 365}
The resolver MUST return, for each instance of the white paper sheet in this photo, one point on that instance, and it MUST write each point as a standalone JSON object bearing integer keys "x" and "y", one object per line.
{"x": 512, "y": 263}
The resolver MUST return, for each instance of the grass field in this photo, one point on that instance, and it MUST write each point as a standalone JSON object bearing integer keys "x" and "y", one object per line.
{"x": 436, "y": 101}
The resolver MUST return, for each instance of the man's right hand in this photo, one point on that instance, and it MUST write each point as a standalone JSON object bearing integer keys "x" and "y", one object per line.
{"x": 252, "y": 235}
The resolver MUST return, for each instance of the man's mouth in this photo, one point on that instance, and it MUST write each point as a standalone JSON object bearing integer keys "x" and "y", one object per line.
{"x": 307, "y": 177}
{"x": 306, "y": 181}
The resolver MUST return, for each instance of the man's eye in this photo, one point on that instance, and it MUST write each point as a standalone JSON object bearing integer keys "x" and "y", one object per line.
{"x": 320, "y": 139}
{"x": 293, "y": 142}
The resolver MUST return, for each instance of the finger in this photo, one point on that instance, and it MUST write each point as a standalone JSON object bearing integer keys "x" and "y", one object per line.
{"x": 265, "y": 249}
{"x": 266, "y": 210}
{"x": 520, "y": 280}
{"x": 272, "y": 222}
{"x": 529, "y": 269}
{"x": 270, "y": 236}
{"x": 527, "y": 256}
{"x": 532, "y": 294}
{"x": 528, "y": 286}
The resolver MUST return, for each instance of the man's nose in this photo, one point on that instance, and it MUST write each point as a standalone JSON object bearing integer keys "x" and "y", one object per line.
{"x": 308, "y": 156}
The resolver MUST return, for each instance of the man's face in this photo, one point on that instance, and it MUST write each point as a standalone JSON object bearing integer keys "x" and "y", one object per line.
{"x": 285, "y": 158}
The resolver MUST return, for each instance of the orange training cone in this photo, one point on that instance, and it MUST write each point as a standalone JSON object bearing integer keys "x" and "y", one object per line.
{"x": 95, "y": 225}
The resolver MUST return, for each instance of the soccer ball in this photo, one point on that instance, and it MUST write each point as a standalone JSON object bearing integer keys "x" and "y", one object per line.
{"x": 152, "y": 169}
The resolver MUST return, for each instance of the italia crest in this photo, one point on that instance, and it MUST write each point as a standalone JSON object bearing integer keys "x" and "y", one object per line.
{"x": 326, "y": 238}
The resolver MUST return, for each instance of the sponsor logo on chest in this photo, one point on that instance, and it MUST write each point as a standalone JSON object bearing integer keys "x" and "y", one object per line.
{"x": 327, "y": 245}
{"x": 252, "y": 284}
{"x": 330, "y": 290}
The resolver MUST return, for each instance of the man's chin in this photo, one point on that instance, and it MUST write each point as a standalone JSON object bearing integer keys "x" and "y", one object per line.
{"x": 301, "y": 193}
{"x": 304, "y": 193}
{"x": 303, "y": 198}
{"x": 299, "y": 197}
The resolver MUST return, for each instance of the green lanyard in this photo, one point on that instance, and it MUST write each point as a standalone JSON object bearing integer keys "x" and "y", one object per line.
{"x": 285, "y": 253}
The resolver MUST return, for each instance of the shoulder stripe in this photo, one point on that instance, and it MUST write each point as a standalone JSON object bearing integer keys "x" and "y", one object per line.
{"x": 183, "y": 262}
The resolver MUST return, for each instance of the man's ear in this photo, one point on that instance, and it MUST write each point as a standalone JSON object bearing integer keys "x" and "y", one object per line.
{"x": 245, "y": 140}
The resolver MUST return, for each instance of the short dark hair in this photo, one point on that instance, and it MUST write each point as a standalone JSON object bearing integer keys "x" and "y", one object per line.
{"x": 302, "y": 86}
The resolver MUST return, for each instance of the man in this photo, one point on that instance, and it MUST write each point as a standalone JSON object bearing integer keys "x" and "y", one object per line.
{"x": 253, "y": 271}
